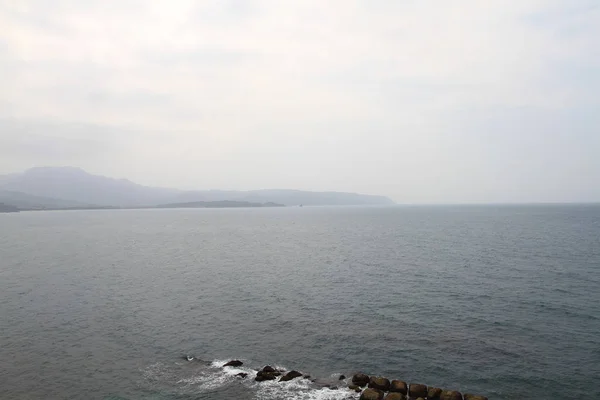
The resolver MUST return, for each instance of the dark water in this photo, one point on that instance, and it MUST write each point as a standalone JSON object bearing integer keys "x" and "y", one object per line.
{"x": 502, "y": 301}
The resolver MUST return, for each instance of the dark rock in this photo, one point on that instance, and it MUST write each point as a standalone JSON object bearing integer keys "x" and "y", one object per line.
{"x": 234, "y": 363}
{"x": 420, "y": 398}
{"x": 417, "y": 390}
{"x": 395, "y": 396}
{"x": 377, "y": 382}
{"x": 268, "y": 368}
{"x": 451, "y": 395}
{"x": 306, "y": 376}
{"x": 353, "y": 387}
{"x": 469, "y": 396}
{"x": 371, "y": 394}
{"x": 342, "y": 377}
{"x": 333, "y": 388}
{"x": 361, "y": 380}
{"x": 433, "y": 393}
{"x": 265, "y": 376}
{"x": 290, "y": 375}
{"x": 242, "y": 375}
{"x": 398, "y": 387}
{"x": 358, "y": 390}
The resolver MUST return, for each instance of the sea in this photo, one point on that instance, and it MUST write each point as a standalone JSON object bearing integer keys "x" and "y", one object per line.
{"x": 497, "y": 300}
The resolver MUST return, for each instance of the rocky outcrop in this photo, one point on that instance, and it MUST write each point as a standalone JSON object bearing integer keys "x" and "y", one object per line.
{"x": 371, "y": 394}
{"x": 433, "y": 393}
{"x": 398, "y": 387}
{"x": 395, "y": 396}
{"x": 268, "y": 373}
{"x": 234, "y": 363}
{"x": 242, "y": 375}
{"x": 451, "y": 395}
{"x": 469, "y": 396}
{"x": 378, "y": 382}
{"x": 290, "y": 375}
{"x": 342, "y": 377}
{"x": 417, "y": 390}
{"x": 361, "y": 380}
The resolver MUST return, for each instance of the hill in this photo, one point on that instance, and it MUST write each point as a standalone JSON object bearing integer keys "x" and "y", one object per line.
{"x": 74, "y": 185}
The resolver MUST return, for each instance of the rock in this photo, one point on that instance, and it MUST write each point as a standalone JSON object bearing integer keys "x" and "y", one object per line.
{"x": 371, "y": 394}
{"x": 398, "y": 387}
{"x": 395, "y": 396}
{"x": 377, "y": 382}
{"x": 417, "y": 390}
{"x": 352, "y": 387}
{"x": 268, "y": 368}
{"x": 306, "y": 376}
{"x": 451, "y": 395}
{"x": 420, "y": 398}
{"x": 242, "y": 375}
{"x": 361, "y": 380}
{"x": 342, "y": 377}
{"x": 290, "y": 375}
{"x": 234, "y": 363}
{"x": 469, "y": 396}
{"x": 333, "y": 388}
{"x": 433, "y": 393}
{"x": 265, "y": 376}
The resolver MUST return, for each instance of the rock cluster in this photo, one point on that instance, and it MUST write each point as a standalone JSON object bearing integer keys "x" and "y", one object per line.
{"x": 369, "y": 387}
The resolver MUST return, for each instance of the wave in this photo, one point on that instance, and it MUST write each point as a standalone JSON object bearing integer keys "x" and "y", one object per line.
{"x": 196, "y": 379}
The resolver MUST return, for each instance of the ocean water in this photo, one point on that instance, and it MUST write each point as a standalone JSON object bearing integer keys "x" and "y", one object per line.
{"x": 498, "y": 300}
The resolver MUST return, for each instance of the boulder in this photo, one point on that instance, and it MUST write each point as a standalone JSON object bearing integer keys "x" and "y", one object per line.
{"x": 433, "y": 393}
{"x": 417, "y": 390}
{"x": 361, "y": 380}
{"x": 242, "y": 375}
{"x": 378, "y": 382}
{"x": 451, "y": 395}
{"x": 342, "y": 377}
{"x": 290, "y": 375}
{"x": 353, "y": 387}
{"x": 395, "y": 396}
{"x": 268, "y": 373}
{"x": 371, "y": 394}
{"x": 234, "y": 363}
{"x": 469, "y": 396}
{"x": 398, "y": 387}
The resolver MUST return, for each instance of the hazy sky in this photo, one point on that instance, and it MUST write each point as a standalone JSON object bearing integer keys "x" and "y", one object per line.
{"x": 423, "y": 101}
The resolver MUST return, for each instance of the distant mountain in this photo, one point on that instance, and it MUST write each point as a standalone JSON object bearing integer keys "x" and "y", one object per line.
{"x": 6, "y": 208}
{"x": 218, "y": 204}
{"x": 29, "y": 201}
{"x": 77, "y": 185}
{"x": 80, "y": 189}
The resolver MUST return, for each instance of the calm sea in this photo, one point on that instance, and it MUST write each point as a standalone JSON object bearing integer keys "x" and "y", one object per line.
{"x": 498, "y": 300}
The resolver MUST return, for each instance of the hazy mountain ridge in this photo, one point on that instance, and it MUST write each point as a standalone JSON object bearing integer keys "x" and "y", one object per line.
{"x": 74, "y": 187}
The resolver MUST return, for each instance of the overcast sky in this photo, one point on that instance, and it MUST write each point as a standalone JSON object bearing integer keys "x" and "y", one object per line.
{"x": 423, "y": 101}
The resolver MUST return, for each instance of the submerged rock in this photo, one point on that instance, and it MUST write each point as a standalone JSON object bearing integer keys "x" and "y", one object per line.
{"x": 417, "y": 390}
{"x": 378, "y": 382}
{"x": 451, "y": 395}
{"x": 395, "y": 396}
{"x": 290, "y": 375}
{"x": 371, "y": 394}
{"x": 469, "y": 396}
{"x": 433, "y": 393}
{"x": 398, "y": 387}
{"x": 342, "y": 377}
{"x": 361, "y": 380}
{"x": 234, "y": 363}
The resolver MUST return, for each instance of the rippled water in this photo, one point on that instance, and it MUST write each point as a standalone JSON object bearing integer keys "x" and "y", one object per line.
{"x": 502, "y": 301}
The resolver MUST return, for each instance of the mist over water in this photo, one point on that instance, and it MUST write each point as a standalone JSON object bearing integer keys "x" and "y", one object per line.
{"x": 497, "y": 300}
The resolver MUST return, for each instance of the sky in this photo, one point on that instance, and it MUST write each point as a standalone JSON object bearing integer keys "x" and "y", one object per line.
{"x": 454, "y": 101}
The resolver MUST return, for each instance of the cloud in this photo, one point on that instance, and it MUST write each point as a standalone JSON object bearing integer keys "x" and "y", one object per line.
{"x": 308, "y": 86}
